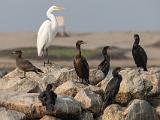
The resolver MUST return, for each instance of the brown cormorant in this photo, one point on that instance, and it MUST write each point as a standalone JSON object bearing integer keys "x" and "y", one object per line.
{"x": 25, "y": 65}
{"x": 104, "y": 66}
{"x": 139, "y": 54}
{"x": 48, "y": 98}
{"x": 80, "y": 63}
{"x": 112, "y": 87}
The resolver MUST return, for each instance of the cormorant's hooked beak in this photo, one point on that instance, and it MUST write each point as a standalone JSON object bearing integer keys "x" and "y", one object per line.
{"x": 57, "y": 8}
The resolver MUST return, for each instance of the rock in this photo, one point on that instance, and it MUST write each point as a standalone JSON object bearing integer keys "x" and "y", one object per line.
{"x": 69, "y": 88}
{"x": 86, "y": 115}
{"x": 32, "y": 81}
{"x": 12, "y": 82}
{"x": 153, "y": 75}
{"x": 140, "y": 110}
{"x": 95, "y": 76}
{"x": 47, "y": 117}
{"x": 89, "y": 100}
{"x": 96, "y": 90}
{"x": 29, "y": 104}
{"x": 3, "y": 72}
{"x": 155, "y": 102}
{"x": 11, "y": 114}
{"x": 113, "y": 112}
{"x": 133, "y": 86}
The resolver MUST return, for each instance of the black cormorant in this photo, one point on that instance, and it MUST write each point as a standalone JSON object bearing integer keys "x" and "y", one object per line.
{"x": 112, "y": 87}
{"x": 25, "y": 65}
{"x": 139, "y": 54}
{"x": 104, "y": 66}
{"x": 48, "y": 98}
{"x": 80, "y": 63}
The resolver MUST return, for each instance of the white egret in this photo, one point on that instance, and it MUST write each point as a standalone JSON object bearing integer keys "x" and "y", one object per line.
{"x": 47, "y": 33}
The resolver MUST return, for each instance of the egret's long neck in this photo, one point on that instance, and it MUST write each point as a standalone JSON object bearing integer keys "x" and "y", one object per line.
{"x": 51, "y": 17}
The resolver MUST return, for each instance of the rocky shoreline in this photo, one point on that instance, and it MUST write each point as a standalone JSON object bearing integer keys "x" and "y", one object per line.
{"x": 138, "y": 97}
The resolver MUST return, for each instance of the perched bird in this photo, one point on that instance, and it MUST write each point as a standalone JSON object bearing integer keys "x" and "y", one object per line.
{"x": 139, "y": 54}
{"x": 104, "y": 66}
{"x": 80, "y": 63}
{"x": 112, "y": 87}
{"x": 48, "y": 98}
{"x": 25, "y": 65}
{"x": 47, "y": 33}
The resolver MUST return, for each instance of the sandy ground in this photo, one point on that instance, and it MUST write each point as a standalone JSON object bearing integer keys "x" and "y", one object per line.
{"x": 94, "y": 40}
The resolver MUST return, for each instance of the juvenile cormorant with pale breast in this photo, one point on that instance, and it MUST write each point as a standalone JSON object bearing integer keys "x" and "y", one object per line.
{"x": 25, "y": 65}
{"x": 80, "y": 64}
{"x": 104, "y": 66}
{"x": 139, "y": 54}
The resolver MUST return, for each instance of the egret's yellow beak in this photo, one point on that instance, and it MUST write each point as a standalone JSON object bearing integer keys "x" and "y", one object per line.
{"x": 58, "y": 8}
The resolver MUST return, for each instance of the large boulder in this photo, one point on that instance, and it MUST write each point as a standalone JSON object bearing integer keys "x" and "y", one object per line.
{"x": 11, "y": 114}
{"x": 29, "y": 104}
{"x": 89, "y": 100}
{"x": 12, "y": 82}
{"x": 69, "y": 88}
{"x": 155, "y": 102}
{"x": 95, "y": 76}
{"x": 153, "y": 75}
{"x": 113, "y": 112}
{"x": 140, "y": 110}
{"x": 33, "y": 82}
{"x": 133, "y": 86}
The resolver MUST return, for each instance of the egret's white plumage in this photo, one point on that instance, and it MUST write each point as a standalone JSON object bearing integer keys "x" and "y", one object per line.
{"x": 47, "y": 31}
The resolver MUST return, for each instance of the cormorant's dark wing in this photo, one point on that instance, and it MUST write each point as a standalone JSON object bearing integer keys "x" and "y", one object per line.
{"x": 85, "y": 67}
{"x": 104, "y": 66}
{"x": 143, "y": 55}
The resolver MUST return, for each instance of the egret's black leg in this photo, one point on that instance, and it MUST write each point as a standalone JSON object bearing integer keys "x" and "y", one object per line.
{"x": 48, "y": 62}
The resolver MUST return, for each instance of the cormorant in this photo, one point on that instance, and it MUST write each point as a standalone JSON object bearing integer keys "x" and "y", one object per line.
{"x": 80, "y": 63}
{"x": 48, "y": 98}
{"x": 25, "y": 65}
{"x": 112, "y": 87}
{"x": 139, "y": 54}
{"x": 104, "y": 66}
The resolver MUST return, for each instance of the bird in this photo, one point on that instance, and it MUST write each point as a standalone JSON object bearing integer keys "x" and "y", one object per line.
{"x": 104, "y": 66}
{"x": 48, "y": 98}
{"x": 112, "y": 87}
{"x": 80, "y": 64}
{"x": 25, "y": 65}
{"x": 47, "y": 33}
{"x": 139, "y": 54}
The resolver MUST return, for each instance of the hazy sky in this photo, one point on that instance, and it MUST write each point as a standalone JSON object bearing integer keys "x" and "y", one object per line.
{"x": 83, "y": 15}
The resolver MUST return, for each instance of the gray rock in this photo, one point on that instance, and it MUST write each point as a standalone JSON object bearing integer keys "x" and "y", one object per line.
{"x": 29, "y": 104}
{"x": 69, "y": 88}
{"x": 12, "y": 82}
{"x": 140, "y": 110}
{"x": 11, "y": 114}
{"x": 113, "y": 112}
{"x": 95, "y": 76}
{"x": 89, "y": 100}
{"x": 86, "y": 115}
{"x": 133, "y": 86}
